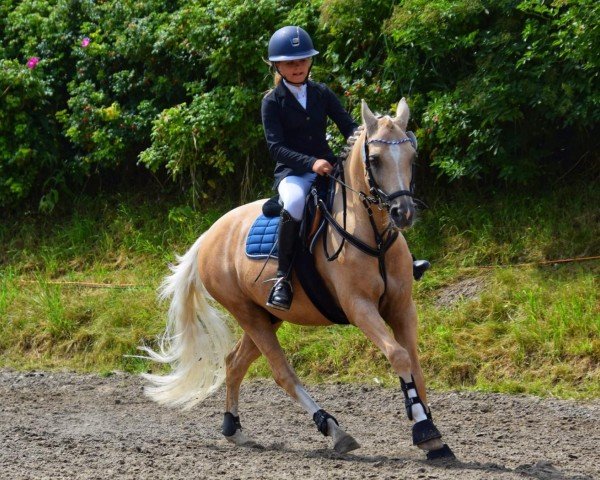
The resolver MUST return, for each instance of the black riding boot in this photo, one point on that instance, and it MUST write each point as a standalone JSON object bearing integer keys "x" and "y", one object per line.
{"x": 281, "y": 293}
{"x": 419, "y": 268}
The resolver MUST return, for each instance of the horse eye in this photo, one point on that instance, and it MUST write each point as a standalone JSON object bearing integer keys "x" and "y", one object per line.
{"x": 374, "y": 160}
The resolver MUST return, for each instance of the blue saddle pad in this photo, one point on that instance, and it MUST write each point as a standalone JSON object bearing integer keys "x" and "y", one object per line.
{"x": 262, "y": 236}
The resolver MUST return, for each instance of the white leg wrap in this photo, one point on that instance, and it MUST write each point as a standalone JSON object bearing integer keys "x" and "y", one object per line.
{"x": 306, "y": 401}
{"x": 417, "y": 409}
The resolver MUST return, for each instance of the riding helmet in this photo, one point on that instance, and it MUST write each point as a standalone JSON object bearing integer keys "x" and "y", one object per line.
{"x": 290, "y": 43}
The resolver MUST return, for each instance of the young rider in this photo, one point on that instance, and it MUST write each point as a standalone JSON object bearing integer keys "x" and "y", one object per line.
{"x": 294, "y": 116}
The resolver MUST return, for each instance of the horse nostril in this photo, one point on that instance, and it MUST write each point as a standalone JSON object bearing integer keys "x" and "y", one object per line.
{"x": 402, "y": 215}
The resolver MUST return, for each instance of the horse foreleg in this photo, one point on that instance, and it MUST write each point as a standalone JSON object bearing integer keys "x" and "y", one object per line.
{"x": 237, "y": 363}
{"x": 264, "y": 337}
{"x": 401, "y": 351}
{"x": 404, "y": 327}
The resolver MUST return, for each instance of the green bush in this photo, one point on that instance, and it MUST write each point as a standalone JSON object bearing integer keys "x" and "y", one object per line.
{"x": 218, "y": 129}
{"x": 510, "y": 92}
{"x": 125, "y": 76}
{"x": 501, "y": 90}
{"x": 33, "y": 152}
{"x": 498, "y": 90}
{"x": 27, "y": 136}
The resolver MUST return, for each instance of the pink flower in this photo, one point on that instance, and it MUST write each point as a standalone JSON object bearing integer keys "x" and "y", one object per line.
{"x": 32, "y": 62}
{"x": 85, "y": 41}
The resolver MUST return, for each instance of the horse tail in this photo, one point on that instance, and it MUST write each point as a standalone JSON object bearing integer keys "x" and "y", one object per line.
{"x": 196, "y": 340}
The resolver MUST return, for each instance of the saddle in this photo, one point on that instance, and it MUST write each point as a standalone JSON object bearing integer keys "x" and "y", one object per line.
{"x": 262, "y": 238}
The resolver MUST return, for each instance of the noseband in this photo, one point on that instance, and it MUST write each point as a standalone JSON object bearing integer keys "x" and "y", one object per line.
{"x": 381, "y": 198}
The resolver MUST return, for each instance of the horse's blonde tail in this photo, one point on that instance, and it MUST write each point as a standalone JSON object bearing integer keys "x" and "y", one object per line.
{"x": 195, "y": 342}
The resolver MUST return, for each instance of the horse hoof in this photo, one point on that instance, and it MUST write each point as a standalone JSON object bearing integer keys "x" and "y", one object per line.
{"x": 346, "y": 444}
{"x": 443, "y": 452}
{"x": 431, "y": 445}
{"x": 240, "y": 439}
{"x": 254, "y": 445}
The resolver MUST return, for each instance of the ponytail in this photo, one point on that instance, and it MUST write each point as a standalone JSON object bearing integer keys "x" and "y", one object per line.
{"x": 277, "y": 78}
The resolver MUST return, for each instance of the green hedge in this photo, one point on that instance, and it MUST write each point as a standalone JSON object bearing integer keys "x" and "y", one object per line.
{"x": 498, "y": 89}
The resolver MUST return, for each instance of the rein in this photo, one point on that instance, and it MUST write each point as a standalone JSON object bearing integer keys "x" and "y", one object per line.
{"x": 383, "y": 240}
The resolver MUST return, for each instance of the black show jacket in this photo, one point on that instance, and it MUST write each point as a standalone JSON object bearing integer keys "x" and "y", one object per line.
{"x": 295, "y": 136}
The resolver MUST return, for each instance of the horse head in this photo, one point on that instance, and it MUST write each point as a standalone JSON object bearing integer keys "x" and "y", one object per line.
{"x": 388, "y": 154}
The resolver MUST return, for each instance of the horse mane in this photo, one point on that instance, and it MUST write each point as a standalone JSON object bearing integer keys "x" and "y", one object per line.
{"x": 347, "y": 148}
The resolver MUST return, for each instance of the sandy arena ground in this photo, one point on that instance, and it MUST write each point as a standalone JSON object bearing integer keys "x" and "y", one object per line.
{"x": 71, "y": 426}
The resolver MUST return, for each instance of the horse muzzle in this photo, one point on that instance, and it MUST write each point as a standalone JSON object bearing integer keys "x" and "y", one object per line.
{"x": 403, "y": 214}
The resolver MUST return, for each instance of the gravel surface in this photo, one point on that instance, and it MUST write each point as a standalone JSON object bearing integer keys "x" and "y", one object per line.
{"x": 65, "y": 425}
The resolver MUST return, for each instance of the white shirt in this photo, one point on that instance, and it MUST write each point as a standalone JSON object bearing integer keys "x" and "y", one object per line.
{"x": 298, "y": 92}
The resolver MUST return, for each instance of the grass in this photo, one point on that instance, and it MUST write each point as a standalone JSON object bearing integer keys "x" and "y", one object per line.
{"x": 526, "y": 329}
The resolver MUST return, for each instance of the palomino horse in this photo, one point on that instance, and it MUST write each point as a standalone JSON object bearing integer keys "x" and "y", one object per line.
{"x": 374, "y": 293}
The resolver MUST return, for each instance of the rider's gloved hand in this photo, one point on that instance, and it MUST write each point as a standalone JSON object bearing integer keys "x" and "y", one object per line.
{"x": 322, "y": 167}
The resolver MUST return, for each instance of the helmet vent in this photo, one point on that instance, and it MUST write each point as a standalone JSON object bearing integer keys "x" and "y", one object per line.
{"x": 296, "y": 40}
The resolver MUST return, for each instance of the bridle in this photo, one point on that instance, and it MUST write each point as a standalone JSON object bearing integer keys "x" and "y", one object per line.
{"x": 382, "y": 198}
{"x": 378, "y": 196}
{"x": 383, "y": 240}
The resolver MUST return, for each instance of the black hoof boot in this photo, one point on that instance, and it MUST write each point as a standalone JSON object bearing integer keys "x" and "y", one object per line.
{"x": 232, "y": 430}
{"x": 419, "y": 268}
{"x": 424, "y": 431}
{"x": 443, "y": 452}
{"x": 320, "y": 418}
{"x": 281, "y": 295}
{"x": 231, "y": 425}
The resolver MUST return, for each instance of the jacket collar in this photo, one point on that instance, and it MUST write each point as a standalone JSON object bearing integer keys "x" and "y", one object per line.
{"x": 312, "y": 92}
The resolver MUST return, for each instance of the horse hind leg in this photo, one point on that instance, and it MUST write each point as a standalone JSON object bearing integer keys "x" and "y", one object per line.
{"x": 237, "y": 363}
{"x": 263, "y": 335}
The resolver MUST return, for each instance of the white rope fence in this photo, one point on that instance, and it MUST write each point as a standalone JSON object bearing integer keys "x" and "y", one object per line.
{"x": 137, "y": 286}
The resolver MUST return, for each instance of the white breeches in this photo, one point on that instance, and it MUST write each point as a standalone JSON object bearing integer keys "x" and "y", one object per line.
{"x": 292, "y": 192}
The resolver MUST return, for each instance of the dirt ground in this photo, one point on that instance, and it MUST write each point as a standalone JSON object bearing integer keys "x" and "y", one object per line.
{"x": 65, "y": 425}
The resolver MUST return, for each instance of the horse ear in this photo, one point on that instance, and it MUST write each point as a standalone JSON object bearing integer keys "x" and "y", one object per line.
{"x": 402, "y": 114}
{"x": 368, "y": 118}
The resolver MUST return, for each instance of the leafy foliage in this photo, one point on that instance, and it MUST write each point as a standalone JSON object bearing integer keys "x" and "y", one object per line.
{"x": 509, "y": 91}
{"x": 218, "y": 128}
{"x": 27, "y": 143}
{"x": 498, "y": 90}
